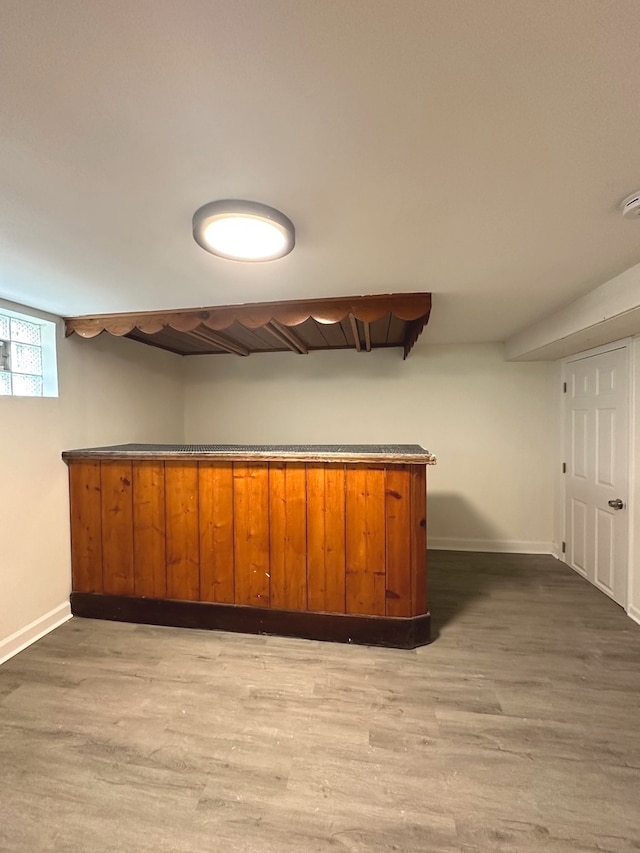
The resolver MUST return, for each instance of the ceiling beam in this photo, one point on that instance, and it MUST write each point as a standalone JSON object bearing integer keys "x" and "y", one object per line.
{"x": 367, "y": 335}
{"x": 288, "y": 337}
{"x": 354, "y": 330}
{"x": 220, "y": 341}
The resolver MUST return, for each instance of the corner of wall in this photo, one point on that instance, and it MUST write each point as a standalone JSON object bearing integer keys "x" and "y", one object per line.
{"x": 19, "y": 640}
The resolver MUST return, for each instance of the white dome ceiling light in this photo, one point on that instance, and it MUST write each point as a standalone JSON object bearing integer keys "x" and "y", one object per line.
{"x": 630, "y": 207}
{"x": 243, "y": 230}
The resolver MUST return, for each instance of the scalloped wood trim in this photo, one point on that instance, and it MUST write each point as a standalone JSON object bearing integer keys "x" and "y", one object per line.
{"x": 411, "y": 308}
{"x": 407, "y": 306}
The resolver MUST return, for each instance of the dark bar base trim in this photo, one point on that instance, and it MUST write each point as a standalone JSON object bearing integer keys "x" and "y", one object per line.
{"x": 393, "y": 632}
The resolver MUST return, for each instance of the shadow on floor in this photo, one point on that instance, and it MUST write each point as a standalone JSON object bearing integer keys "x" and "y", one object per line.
{"x": 457, "y": 579}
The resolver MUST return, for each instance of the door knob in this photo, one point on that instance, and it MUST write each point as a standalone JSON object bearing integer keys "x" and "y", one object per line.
{"x": 616, "y": 504}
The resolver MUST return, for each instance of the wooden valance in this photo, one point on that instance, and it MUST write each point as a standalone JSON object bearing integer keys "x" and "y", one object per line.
{"x": 300, "y": 326}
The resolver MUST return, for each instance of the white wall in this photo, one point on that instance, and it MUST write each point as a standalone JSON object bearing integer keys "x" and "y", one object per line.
{"x": 111, "y": 391}
{"x": 492, "y": 424}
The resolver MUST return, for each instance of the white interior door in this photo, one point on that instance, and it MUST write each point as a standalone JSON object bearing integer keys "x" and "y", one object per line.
{"x": 597, "y": 468}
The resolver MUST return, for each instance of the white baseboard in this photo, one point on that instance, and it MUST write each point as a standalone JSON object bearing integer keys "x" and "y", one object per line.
{"x": 556, "y": 551}
{"x": 500, "y": 546}
{"x": 18, "y": 641}
{"x": 634, "y": 613}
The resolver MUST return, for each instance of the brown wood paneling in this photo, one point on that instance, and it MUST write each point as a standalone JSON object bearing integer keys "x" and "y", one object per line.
{"x": 311, "y": 535}
{"x": 312, "y": 334}
{"x": 326, "y": 538}
{"x": 174, "y": 341}
{"x": 266, "y": 342}
{"x": 335, "y": 335}
{"x": 117, "y": 527}
{"x": 347, "y": 331}
{"x": 380, "y": 330}
{"x": 216, "y": 531}
{"x": 149, "y": 548}
{"x": 251, "y": 533}
{"x": 395, "y": 334}
{"x": 288, "y": 535}
{"x": 365, "y": 540}
{"x": 86, "y": 526}
{"x": 253, "y": 339}
{"x": 183, "y": 547}
{"x": 398, "y": 539}
{"x": 419, "y": 539}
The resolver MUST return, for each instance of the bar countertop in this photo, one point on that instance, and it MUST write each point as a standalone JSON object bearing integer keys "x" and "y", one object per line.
{"x": 399, "y": 454}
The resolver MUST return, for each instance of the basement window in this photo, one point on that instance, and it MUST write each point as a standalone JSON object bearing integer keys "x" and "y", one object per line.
{"x": 27, "y": 356}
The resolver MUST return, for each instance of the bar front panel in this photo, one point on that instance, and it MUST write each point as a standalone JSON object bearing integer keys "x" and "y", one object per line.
{"x": 311, "y": 537}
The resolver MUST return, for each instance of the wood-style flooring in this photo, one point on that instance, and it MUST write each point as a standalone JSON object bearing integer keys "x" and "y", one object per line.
{"x": 517, "y": 729}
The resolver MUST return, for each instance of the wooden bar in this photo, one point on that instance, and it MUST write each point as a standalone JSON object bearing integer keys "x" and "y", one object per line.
{"x": 418, "y": 555}
{"x": 183, "y": 547}
{"x": 366, "y": 630}
{"x": 326, "y": 548}
{"x": 398, "y": 523}
{"x": 365, "y": 541}
{"x": 117, "y": 528}
{"x": 149, "y": 540}
{"x": 215, "y": 506}
{"x": 326, "y": 538}
{"x": 392, "y": 454}
{"x": 86, "y": 525}
{"x": 288, "y": 535}
{"x": 251, "y": 534}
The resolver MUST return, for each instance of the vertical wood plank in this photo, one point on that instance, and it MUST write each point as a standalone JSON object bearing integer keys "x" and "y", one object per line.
{"x": 117, "y": 527}
{"x": 365, "y": 540}
{"x": 216, "y": 531}
{"x": 398, "y": 540}
{"x": 149, "y": 547}
{"x": 251, "y": 533}
{"x": 183, "y": 547}
{"x": 288, "y": 535}
{"x": 419, "y": 539}
{"x": 86, "y": 526}
{"x": 326, "y": 538}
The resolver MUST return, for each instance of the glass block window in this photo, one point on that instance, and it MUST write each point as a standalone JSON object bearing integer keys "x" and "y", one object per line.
{"x": 28, "y": 333}
{"x": 26, "y": 359}
{"x": 27, "y": 356}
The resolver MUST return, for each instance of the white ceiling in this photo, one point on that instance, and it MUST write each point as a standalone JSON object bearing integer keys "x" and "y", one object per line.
{"x": 478, "y": 149}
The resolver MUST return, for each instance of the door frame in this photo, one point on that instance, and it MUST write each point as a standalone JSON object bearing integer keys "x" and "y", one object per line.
{"x": 627, "y": 345}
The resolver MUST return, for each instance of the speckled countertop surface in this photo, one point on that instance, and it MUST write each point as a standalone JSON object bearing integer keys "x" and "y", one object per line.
{"x": 398, "y": 453}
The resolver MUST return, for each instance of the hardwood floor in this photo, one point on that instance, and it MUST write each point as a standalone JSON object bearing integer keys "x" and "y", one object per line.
{"x": 517, "y": 729}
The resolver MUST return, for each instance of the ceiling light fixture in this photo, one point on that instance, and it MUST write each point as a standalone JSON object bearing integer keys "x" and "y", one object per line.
{"x": 243, "y": 230}
{"x": 630, "y": 207}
